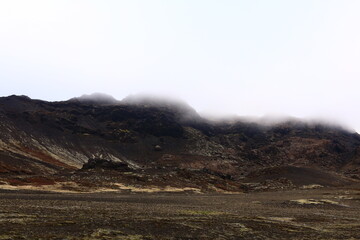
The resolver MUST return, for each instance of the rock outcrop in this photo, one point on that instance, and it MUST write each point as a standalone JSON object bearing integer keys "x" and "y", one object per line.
{"x": 46, "y": 138}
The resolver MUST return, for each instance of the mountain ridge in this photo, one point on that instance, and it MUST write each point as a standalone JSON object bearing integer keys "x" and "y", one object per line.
{"x": 158, "y": 140}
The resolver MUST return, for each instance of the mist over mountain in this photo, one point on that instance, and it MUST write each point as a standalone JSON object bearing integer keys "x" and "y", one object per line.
{"x": 167, "y": 141}
{"x": 95, "y": 98}
{"x": 185, "y": 111}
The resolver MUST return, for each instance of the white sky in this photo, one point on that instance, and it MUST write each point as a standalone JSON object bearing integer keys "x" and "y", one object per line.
{"x": 299, "y": 58}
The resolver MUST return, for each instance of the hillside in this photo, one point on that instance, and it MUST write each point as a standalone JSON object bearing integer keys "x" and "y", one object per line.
{"x": 165, "y": 144}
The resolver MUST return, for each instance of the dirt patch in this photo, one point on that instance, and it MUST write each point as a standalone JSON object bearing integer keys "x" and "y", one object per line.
{"x": 165, "y": 215}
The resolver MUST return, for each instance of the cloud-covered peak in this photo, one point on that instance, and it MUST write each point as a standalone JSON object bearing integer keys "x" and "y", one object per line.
{"x": 180, "y": 107}
{"x": 96, "y": 98}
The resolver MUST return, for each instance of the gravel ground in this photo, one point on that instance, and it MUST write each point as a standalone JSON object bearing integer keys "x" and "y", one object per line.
{"x": 300, "y": 214}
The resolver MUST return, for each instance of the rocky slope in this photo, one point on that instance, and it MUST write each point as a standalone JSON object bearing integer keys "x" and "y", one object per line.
{"x": 166, "y": 143}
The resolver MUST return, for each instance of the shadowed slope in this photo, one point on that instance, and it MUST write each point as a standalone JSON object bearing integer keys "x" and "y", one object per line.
{"x": 149, "y": 134}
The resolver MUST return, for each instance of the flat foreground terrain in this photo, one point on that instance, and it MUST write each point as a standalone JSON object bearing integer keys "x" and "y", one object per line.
{"x": 301, "y": 214}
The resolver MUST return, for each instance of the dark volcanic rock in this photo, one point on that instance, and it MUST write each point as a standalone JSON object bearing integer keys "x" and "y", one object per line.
{"x": 39, "y": 137}
{"x": 98, "y": 163}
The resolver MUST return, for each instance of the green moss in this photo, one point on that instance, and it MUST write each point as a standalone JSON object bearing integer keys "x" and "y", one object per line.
{"x": 6, "y": 237}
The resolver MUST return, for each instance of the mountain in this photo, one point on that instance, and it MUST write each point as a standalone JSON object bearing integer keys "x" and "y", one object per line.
{"x": 95, "y": 98}
{"x": 160, "y": 143}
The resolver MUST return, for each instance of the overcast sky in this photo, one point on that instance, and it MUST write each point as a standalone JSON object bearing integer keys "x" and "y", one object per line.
{"x": 298, "y": 58}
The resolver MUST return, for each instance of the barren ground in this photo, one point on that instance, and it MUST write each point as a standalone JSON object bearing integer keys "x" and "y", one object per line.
{"x": 299, "y": 214}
